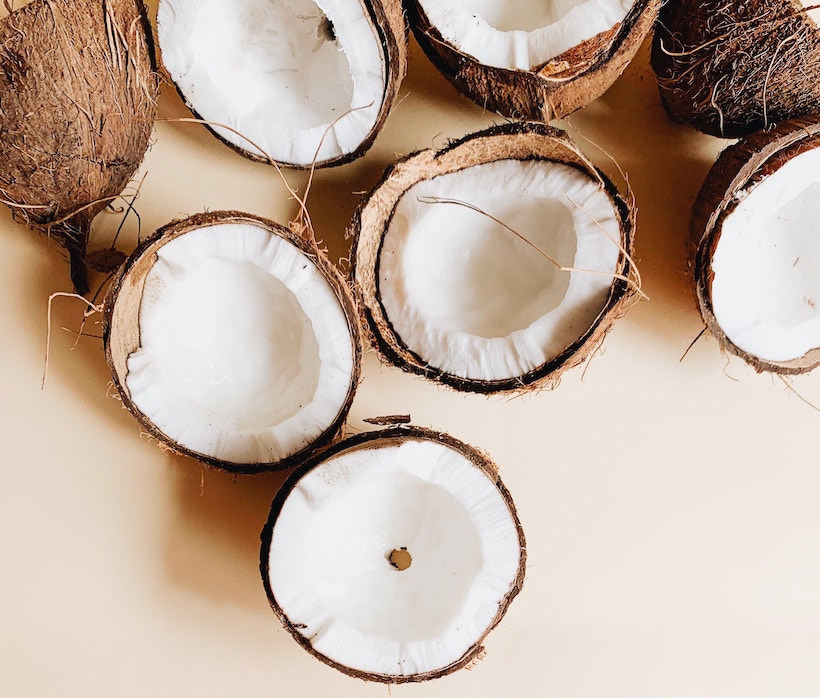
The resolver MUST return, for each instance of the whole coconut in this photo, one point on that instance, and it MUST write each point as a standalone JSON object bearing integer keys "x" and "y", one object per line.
{"x": 78, "y": 92}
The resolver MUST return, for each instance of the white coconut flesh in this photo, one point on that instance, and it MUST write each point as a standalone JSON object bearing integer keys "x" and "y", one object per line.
{"x": 394, "y": 560}
{"x": 766, "y": 287}
{"x": 475, "y": 300}
{"x": 245, "y": 354}
{"x": 299, "y": 80}
{"x": 525, "y": 34}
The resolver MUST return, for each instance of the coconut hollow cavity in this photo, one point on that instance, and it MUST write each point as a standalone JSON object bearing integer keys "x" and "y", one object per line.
{"x": 732, "y": 68}
{"x": 393, "y": 554}
{"x": 758, "y": 262}
{"x": 234, "y": 341}
{"x": 295, "y": 81}
{"x": 78, "y": 92}
{"x": 496, "y": 263}
{"x": 532, "y": 60}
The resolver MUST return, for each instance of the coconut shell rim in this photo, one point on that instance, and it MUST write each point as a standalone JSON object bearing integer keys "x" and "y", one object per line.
{"x": 179, "y": 227}
{"x": 384, "y": 438}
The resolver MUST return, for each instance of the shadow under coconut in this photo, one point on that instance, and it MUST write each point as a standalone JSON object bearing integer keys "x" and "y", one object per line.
{"x": 212, "y": 543}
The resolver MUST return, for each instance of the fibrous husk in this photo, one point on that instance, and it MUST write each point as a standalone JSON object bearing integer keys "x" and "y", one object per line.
{"x": 732, "y": 68}
{"x": 77, "y": 101}
{"x": 737, "y": 171}
{"x": 122, "y": 330}
{"x": 506, "y": 526}
{"x": 387, "y": 21}
{"x": 525, "y": 142}
{"x": 550, "y": 91}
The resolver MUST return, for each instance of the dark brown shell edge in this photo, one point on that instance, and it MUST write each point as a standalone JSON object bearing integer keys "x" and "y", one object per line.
{"x": 78, "y": 86}
{"x": 121, "y": 334}
{"x": 736, "y": 171}
{"x": 387, "y": 17}
{"x": 553, "y": 144}
{"x": 551, "y": 91}
{"x": 731, "y": 68}
{"x": 379, "y": 439}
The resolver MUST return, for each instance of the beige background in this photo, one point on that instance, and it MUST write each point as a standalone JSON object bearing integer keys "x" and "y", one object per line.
{"x": 670, "y": 505}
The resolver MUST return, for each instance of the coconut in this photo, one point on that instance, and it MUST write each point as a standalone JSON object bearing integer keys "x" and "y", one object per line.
{"x": 78, "y": 93}
{"x": 732, "y": 68}
{"x": 757, "y": 265}
{"x": 234, "y": 341}
{"x": 297, "y": 82}
{"x": 393, "y": 554}
{"x": 495, "y": 263}
{"x": 532, "y": 60}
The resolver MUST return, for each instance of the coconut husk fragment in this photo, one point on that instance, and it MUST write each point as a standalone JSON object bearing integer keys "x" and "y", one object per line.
{"x": 78, "y": 93}
{"x": 732, "y": 68}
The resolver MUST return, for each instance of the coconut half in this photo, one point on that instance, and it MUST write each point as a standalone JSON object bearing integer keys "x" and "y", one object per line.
{"x": 536, "y": 60}
{"x": 495, "y": 263}
{"x": 393, "y": 554}
{"x": 296, "y": 81}
{"x": 78, "y": 93}
{"x": 732, "y": 68}
{"x": 758, "y": 262}
{"x": 234, "y": 341}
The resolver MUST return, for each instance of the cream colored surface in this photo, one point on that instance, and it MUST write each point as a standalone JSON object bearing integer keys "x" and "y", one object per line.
{"x": 670, "y": 506}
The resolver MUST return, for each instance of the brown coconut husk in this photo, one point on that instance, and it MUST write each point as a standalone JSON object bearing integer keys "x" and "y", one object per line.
{"x": 78, "y": 91}
{"x": 121, "y": 329}
{"x": 550, "y": 91}
{"x": 387, "y": 19}
{"x": 375, "y": 440}
{"x": 514, "y": 141}
{"x": 732, "y": 68}
{"x": 738, "y": 169}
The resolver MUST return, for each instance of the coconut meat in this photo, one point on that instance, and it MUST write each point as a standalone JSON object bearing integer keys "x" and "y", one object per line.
{"x": 766, "y": 286}
{"x": 472, "y": 298}
{"x": 394, "y": 560}
{"x": 521, "y": 35}
{"x": 245, "y": 354}
{"x": 296, "y": 80}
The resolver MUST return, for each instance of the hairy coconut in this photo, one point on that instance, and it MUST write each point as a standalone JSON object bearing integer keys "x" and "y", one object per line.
{"x": 496, "y": 263}
{"x": 732, "y": 68}
{"x": 757, "y": 267}
{"x": 77, "y": 101}
{"x": 298, "y": 82}
{"x": 534, "y": 60}
{"x": 393, "y": 554}
{"x": 233, "y": 340}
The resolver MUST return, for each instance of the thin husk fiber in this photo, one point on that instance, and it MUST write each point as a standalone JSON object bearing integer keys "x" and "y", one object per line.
{"x": 78, "y": 94}
{"x": 732, "y": 68}
{"x": 512, "y": 141}
{"x": 378, "y": 439}
{"x": 550, "y": 91}
{"x": 121, "y": 327}
{"x": 738, "y": 169}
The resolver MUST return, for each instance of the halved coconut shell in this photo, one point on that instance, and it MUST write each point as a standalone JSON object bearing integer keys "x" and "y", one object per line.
{"x": 78, "y": 91}
{"x": 297, "y": 82}
{"x": 234, "y": 341}
{"x": 732, "y": 68}
{"x": 393, "y": 554}
{"x": 496, "y": 263}
{"x": 757, "y": 265}
{"x": 536, "y": 63}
